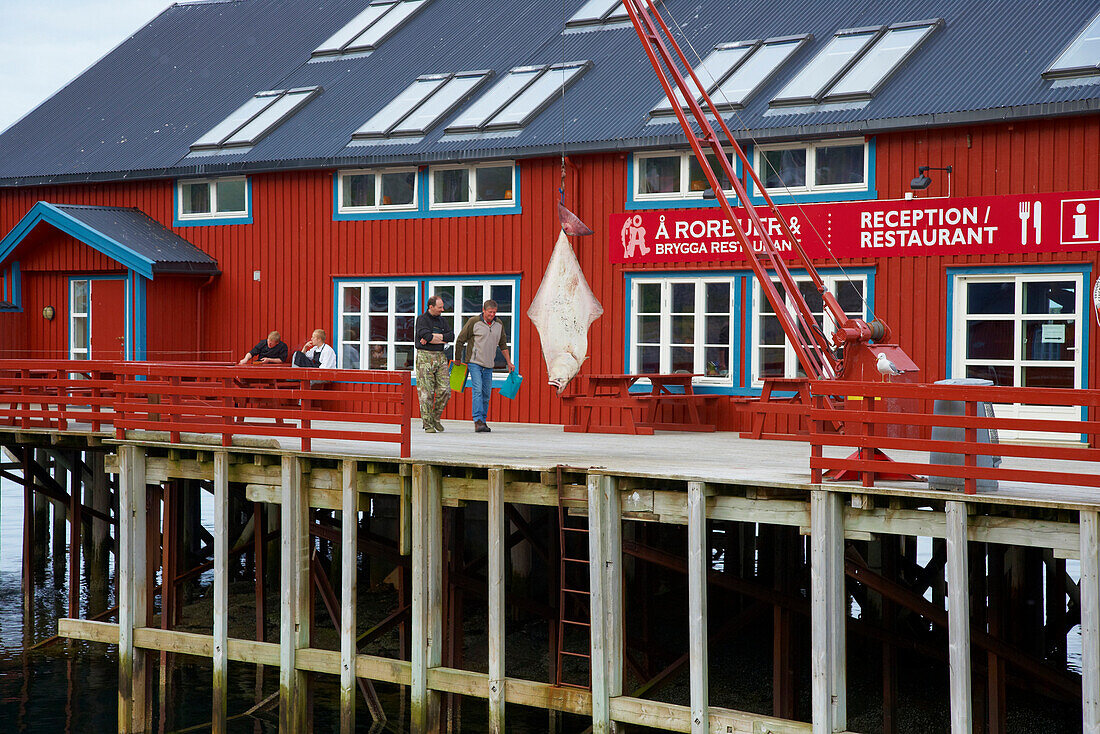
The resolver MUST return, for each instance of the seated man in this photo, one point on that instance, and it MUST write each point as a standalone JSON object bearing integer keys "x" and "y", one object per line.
{"x": 271, "y": 351}
{"x": 315, "y": 353}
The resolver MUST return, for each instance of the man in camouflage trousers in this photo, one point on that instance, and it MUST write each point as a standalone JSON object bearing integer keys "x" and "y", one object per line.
{"x": 433, "y": 375}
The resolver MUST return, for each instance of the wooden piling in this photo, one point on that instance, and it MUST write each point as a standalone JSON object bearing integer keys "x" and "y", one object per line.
{"x": 496, "y": 539}
{"x": 221, "y": 592}
{"x": 698, "y": 562}
{"x": 828, "y": 613}
{"x": 294, "y": 604}
{"x": 958, "y": 614}
{"x": 1090, "y": 621}
{"x": 427, "y": 596}
{"x": 133, "y": 602}
{"x": 349, "y": 541}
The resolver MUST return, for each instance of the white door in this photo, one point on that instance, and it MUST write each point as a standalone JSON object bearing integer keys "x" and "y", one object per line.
{"x": 1021, "y": 330}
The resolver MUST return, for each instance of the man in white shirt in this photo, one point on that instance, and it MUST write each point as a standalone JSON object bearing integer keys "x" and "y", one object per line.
{"x": 315, "y": 353}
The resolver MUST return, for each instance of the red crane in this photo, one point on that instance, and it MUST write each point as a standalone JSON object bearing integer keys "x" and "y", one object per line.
{"x": 817, "y": 354}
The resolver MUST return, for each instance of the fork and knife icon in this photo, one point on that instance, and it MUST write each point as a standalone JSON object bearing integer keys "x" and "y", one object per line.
{"x": 1025, "y": 214}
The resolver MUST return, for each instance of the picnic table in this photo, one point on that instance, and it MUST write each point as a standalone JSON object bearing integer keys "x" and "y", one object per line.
{"x": 613, "y": 392}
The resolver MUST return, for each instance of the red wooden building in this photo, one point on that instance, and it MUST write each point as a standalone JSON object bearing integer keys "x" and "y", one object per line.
{"x": 296, "y": 179}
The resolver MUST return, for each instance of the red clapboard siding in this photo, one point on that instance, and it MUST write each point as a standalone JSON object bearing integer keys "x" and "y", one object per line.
{"x": 298, "y": 249}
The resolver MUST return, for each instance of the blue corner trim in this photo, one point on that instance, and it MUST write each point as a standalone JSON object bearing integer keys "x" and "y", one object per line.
{"x": 13, "y": 290}
{"x": 423, "y": 208}
{"x": 211, "y": 221}
{"x": 45, "y": 212}
{"x": 137, "y": 317}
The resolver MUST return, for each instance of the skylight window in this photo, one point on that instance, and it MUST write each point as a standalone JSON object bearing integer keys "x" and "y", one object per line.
{"x": 255, "y": 118}
{"x": 855, "y": 63}
{"x": 1081, "y": 57}
{"x": 599, "y": 12}
{"x": 423, "y": 103}
{"x": 734, "y": 71}
{"x": 518, "y": 97}
{"x": 367, "y": 30}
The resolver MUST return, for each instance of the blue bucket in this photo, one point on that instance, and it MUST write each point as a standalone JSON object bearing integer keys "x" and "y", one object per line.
{"x": 510, "y": 388}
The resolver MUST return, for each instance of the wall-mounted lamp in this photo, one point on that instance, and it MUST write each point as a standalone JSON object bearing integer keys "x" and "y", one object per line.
{"x": 922, "y": 181}
{"x": 47, "y": 313}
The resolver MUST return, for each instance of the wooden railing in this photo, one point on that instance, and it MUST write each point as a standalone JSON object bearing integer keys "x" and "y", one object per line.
{"x": 222, "y": 399}
{"x": 875, "y": 416}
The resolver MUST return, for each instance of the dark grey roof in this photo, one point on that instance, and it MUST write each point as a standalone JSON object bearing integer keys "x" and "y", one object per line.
{"x": 136, "y": 112}
{"x": 144, "y": 237}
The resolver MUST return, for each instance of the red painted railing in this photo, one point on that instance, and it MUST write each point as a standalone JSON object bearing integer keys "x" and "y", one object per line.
{"x": 876, "y": 416}
{"x": 225, "y": 400}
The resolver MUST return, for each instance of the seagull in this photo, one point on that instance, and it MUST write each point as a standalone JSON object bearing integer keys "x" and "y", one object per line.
{"x": 885, "y": 367}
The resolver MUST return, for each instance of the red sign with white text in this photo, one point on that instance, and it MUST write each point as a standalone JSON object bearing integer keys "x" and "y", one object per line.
{"x": 982, "y": 225}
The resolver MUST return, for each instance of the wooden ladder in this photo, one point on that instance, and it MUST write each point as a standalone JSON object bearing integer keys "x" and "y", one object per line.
{"x": 574, "y": 599}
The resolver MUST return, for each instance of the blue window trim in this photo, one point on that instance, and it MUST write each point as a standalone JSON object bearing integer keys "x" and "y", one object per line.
{"x": 134, "y": 304}
{"x": 13, "y": 289}
{"x": 210, "y": 221}
{"x": 871, "y": 192}
{"x": 423, "y": 208}
{"x": 743, "y": 283}
{"x": 741, "y": 279}
{"x": 1082, "y": 269}
{"x": 635, "y": 204}
{"x": 514, "y": 325}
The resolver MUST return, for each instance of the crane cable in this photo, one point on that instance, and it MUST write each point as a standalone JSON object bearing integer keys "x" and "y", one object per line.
{"x": 700, "y": 70}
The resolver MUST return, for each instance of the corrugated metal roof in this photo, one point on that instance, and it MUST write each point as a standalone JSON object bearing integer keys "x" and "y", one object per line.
{"x": 136, "y": 112}
{"x": 145, "y": 237}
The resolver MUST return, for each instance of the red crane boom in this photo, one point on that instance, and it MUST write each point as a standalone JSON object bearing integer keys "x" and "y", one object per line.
{"x": 814, "y": 350}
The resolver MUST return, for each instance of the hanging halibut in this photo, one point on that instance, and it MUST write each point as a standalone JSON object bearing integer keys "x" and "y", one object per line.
{"x": 562, "y": 311}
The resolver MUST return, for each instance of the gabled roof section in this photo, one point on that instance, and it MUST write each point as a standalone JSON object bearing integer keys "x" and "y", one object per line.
{"x": 127, "y": 236}
{"x": 366, "y": 31}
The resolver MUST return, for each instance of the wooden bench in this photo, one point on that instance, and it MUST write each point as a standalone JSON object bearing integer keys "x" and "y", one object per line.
{"x": 613, "y": 392}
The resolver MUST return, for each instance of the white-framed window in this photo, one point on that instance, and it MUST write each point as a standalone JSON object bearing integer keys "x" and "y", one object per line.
{"x": 257, "y": 117}
{"x": 216, "y": 198}
{"x": 421, "y": 105}
{"x": 366, "y": 31}
{"x": 1020, "y": 330}
{"x": 673, "y": 175}
{"x": 386, "y": 189}
{"x": 855, "y": 63}
{"x": 773, "y": 355}
{"x": 376, "y": 324}
{"x": 683, "y": 324}
{"x": 463, "y": 298}
{"x": 479, "y": 185}
{"x": 1081, "y": 57}
{"x": 598, "y": 13}
{"x": 822, "y": 166}
{"x": 518, "y": 97}
{"x": 80, "y": 319}
{"x": 732, "y": 72}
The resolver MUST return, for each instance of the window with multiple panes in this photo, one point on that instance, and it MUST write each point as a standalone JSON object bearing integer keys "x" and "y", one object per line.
{"x": 80, "y": 319}
{"x": 425, "y": 102}
{"x": 773, "y": 356}
{"x": 1081, "y": 57}
{"x": 599, "y": 13}
{"x": 377, "y": 190}
{"x": 732, "y": 72}
{"x": 855, "y": 63}
{"x": 518, "y": 97}
{"x": 213, "y": 198}
{"x": 376, "y": 324}
{"x": 484, "y": 184}
{"x": 462, "y": 300}
{"x": 682, "y": 324}
{"x": 1019, "y": 330}
{"x": 366, "y": 31}
{"x": 673, "y": 175}
{"x": 255, "y": 118}
{"x": 830, "y": 165}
